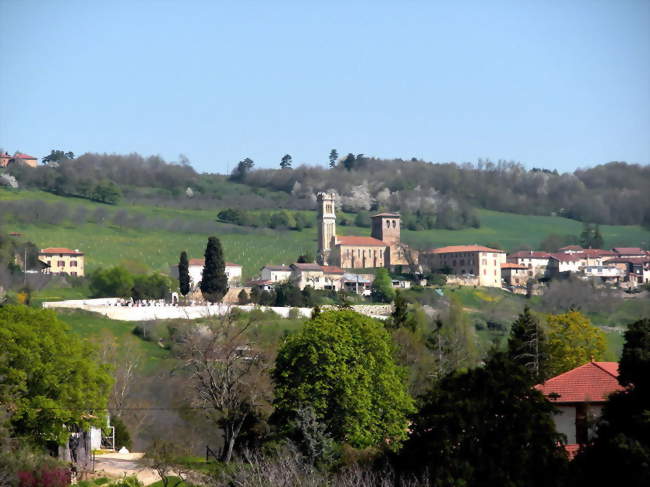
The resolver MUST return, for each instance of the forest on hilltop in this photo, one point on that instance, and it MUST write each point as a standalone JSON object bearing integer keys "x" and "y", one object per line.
{"x": 431, "y": 195}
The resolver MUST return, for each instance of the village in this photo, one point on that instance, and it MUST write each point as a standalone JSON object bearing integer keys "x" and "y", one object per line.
{"x": 348, "y": 263}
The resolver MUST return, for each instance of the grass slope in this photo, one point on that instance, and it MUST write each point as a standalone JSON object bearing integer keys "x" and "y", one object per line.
{"x": 106, "y": 244}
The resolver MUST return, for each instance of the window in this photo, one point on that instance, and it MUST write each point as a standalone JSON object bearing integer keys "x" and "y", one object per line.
{"x": 394, "y": 224}
{"x": 74, "y": 274}
{"x": 61, "y": 263}
{"x": 387, "y": 223}
{"x": 73, "y": 263}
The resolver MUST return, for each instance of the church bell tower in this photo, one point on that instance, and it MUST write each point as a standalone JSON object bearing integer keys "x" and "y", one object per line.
{"x": 326, "y": 225}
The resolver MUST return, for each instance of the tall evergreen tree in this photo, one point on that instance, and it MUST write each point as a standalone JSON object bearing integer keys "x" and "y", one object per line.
{"x": 527, "y": 346}
{"x": 184, "y": 274}
{"x": 620, "y": 453}
{"x": 334, "y": 155}
{"x": 399, "y": 317}
{"x": 214, "y": 283}
{"x": 597, "y": 240}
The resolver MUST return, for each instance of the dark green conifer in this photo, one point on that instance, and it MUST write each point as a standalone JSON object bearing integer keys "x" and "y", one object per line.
{"x": 183, "y": 274}
{"x": 214, "y": 283}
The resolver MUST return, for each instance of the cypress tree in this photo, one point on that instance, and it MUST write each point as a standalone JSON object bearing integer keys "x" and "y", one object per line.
{"x": 527, "y": 346}
{"x": 184, "y": 274}
{"x": 400, "y": 312}
{"x": 214, "y": 283}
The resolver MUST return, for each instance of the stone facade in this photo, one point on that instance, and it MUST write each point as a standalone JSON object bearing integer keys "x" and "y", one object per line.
{"x": 477, "y": 261}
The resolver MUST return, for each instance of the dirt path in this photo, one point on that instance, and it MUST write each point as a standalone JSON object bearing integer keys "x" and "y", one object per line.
{"x": 121, "y": 464}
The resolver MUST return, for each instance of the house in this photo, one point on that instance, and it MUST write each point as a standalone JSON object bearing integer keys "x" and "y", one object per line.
{"x": 595, "y": 257}
{"x": 607, "y": 273}
{"x": 477, "y": 261}
{"x": 6, "y": 159}
{"x": 634, "y": 270}
{"x": 625, "y": 252}
{"x": 579, "y": 396}
{"x": 383, "y": 248}
{"x": 535, "y": 261}
{"x": 358, "y": 283}
{"x": 61, "y": 260}
{"x": 275, "y": 273}
{"x": 303, "y": 275}
{"x": 565, "y": 263}
{"x": 332, "y": 277}
{"x": 195, "y": 270}
{"x": 515, "y": 274}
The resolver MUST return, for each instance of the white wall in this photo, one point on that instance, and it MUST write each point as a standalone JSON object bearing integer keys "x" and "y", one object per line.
{"x": 565, "y": 422}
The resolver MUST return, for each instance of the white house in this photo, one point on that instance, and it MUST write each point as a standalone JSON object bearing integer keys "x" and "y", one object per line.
{"x": 534, "y": 260}
{"x": 275, "y": 273}
{"x": 559, "y": 263}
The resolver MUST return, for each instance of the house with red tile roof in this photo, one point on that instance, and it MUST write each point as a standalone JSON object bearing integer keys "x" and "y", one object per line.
{"x": 6, "y": 159}
{"x": 579, "y": 396}
{"x": 481, "y": 263}
{"x": 62, "y": 260}
{"x": 629, "y": 252}
{"x": 560, "y": 263}
{"x": 515, "y": 274}
{"x": 536, "y": 261}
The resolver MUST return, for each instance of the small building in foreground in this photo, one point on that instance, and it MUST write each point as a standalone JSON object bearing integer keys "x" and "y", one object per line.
{"x": 579, "y": 395}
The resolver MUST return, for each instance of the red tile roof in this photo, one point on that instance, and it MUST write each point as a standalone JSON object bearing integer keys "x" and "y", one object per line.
{"x": 597, "y": 252}
{"x": 20, "y": 155}
{"x": 530, "y": 254}
{"x": 629, "y": 250}
{"x": 627, "y": 260}
{"x": 201, "y": 262}
{"x": 60, "y": 250}
{"x": 307, "y": 266}
{"x": 359, "y": 241}
{"x": 277, "y": 268}
{"x": 332, "y": 269}
{"x": 591, "y": 382}
{"x": 463, "y": 248}
{"x": 571, "y": 247}
{"x": 512, "y": 265}
{"x": 567, "y": 257}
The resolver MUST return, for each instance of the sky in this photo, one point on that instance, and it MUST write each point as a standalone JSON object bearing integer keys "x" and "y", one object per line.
{"x": 553, "y": 84}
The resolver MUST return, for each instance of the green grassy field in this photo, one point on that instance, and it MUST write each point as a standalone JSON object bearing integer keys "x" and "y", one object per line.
{"x": 106, "y": 244}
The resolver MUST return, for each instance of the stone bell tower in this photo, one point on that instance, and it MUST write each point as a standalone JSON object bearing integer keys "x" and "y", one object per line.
{"x": 326, "y": 225}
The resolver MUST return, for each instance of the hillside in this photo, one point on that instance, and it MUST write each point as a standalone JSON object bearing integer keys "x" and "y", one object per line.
{"x": 155, "y": 235}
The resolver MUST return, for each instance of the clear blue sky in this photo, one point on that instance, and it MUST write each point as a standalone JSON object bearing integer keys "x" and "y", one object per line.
{"x": 556, "y": 84}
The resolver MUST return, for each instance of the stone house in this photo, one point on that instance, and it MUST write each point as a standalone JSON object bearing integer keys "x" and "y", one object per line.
{"x": 61, "y": 260}
{"x": 477, "y": 261}
{"x": 515, "y": 274}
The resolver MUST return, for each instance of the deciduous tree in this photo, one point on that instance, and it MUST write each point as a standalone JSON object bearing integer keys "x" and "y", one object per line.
{"x": 341, "y": 365}
{"x": 382, "y": 287}
{"x": 572, "y": 341}
{"x": 52, "y": 376}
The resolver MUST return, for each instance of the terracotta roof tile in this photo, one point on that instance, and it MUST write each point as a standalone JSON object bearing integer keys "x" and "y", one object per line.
{"x": 530, "y": 254}
{"x": 332, "y": 269}
{"x": 567, "y": 257}
{"x": 307, "y": 266}
{"x": 60, "y": 250}
{"x": 629, "y": 250}
{"x": 20, "y": 155}
{"x": 591, "y": 382}
{"x": 359, "y": 241}
{"x": 277, "y": 268}
{"x": 512, "y": 265}
{"x": 463, "y": 248}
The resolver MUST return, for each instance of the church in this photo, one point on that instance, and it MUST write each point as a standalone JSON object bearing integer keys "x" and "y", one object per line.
{"x": 382, "y": 249}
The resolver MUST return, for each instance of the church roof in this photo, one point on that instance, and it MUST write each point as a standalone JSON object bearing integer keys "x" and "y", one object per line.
{"x": 392, "y": 215}
{"x": 359, "y": 241}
